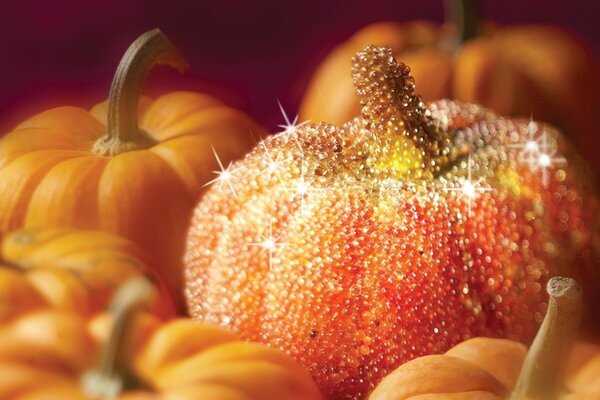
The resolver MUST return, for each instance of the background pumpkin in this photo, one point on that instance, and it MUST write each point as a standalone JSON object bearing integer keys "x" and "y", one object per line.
{"x": 71, "y": 270}
{"x": 486, "y": 368}
{"x": 529, "y": 70}
{"x": 98, "y": 170}
{"x": 401, "y": 233}
{"x": 51, "y": 355}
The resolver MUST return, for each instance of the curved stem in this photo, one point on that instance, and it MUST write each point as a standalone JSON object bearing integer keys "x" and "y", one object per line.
{"x": 112, "y": 375}
{"x": 542, "y": 371}
{"x": 464, "y": 16}
{"x": 386, "y": 91}
{"x": 123, "y": 133}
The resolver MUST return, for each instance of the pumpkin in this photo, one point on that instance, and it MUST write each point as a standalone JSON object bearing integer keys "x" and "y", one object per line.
{"x": 399, "y": 234}
{"x": 135, "y": 174}
{"x": 55, "y": 354}
{"x": 68, "y": 269}
{"x": 526, "y": 70}
{"x": 486, "y": 368}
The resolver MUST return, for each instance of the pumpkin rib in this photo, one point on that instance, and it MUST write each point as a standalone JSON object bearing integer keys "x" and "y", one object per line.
{"x": 500, "y": 357}
{"x": 453, "y": 375}
{"x": 18, "y": 378}
{"x": 176, "y": 341}
{"x": 238, "y": 351}
{"x": 170, "y": 153}
{"x": 239, "y": 374}
{"x": 12, "y": 144}
{"x": 20, "y": 245}
{"x": 43, "y": 327}
{"x": 75, "y": 121}
{"x": 17, "y": 295}
{"x": 69, "y": 188}
{"x": 134, "y": 184}
{"x": 213, "y": 119}
{"x": 208, "y": 391}
{"x": 71, "y": 243}
{"x": 586, "y": 380}
{"x": 22, "y": 186}
{"x": 174, "y": 106}
{"x": 54, "y": 391}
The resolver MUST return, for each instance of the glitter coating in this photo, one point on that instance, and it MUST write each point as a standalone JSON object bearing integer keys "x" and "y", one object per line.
{"x": 351, "y": 248}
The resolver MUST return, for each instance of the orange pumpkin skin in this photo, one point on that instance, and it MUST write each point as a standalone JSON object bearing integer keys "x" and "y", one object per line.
{"x": 46, "y": 354}
{"x": 519, "y": 71}
{"x": 479, "y": 369}
{"x": 51, "y": 174}
{"x": 354, "y": 258}
{"x": 71, "y": 270}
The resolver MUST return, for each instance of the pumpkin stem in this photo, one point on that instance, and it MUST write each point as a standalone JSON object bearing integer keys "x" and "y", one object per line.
{"x": 465, "y": 18}
{"x": 389, "y": 106}
{"x": 540, "y": 377}
{"x": 123, "y": 133}
{"x": 112, "y": 376}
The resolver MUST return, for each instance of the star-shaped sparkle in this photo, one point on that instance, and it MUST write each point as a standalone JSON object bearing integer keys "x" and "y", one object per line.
{"x": 537, "y": 153}
{"x": 269, "y": 244}
{"x": 274, "y": 165}
{"x": 468, "y": 188}
{"x": 290, "y": 127}
{"x": 302, "y": 187}
{"x": 224, "y": 175}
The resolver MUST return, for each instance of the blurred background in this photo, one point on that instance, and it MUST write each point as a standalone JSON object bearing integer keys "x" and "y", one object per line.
{"x": 247, "y": 53}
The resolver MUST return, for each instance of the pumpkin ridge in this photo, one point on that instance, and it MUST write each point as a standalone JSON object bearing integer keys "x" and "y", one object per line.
{"x": 225, "y": 373}
{"x": 224, "y": 115}
{"x": 47, "y": 120}
{"x": 150, "y": 122}
{"x": 85, "y": 178}
{"x": 24, "y": 387}
{"x": 25, "y": 188}
{"x": 207, "y": 394}
{"x": 179, "y": 165}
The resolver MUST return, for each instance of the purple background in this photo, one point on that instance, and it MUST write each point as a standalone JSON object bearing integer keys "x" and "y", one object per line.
{"x": 249, "y": 53}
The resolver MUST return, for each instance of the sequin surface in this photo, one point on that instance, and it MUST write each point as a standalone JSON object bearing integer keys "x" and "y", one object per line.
{"x": 399, "y": 234}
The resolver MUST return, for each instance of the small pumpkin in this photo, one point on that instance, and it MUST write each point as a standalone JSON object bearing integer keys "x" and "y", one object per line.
{"x": 495, "y": 369}
{"x": 68, "y": 269}
{"x": 54, "y": 354}
{"x": 514, "y": 70}
{"x": 134, "y": 167}
{"x": 401, "y": 233}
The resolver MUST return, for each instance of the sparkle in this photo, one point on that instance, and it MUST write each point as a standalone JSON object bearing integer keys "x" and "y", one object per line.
{"x": 269, "y": 244}
{"x": 302, "y": 187}
{"x": 291, "y": 127}
{"x": 224, "y": 175}
{"x": 537, "y": 153}
{"x": 468, "y": 188}
{"x": 274, "y": 165}
{"x": 545, "y": 160}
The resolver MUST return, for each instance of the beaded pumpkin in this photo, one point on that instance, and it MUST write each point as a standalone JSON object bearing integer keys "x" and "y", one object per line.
{"x": 401, "y": 233}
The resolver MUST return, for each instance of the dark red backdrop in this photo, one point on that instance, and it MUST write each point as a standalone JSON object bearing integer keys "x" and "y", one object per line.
{"x": 248, "y": 52}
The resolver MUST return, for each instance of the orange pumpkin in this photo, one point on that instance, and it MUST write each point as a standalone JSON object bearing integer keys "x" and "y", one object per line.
{"x": 136, "y": 174}
{"x": 67, "y": 269}
{"x": 495, "y": 369}
{"x": 52, "y": 355}
{"x": 527, "y": 70}
{"x": 401, "y": 233}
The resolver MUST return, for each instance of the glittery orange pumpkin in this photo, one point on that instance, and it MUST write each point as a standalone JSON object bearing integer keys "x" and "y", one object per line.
{"x": 399, "y": 234}
{"x": 515, "y": 70}
{"x": 99, "y": 169}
